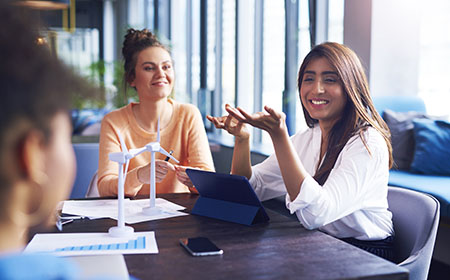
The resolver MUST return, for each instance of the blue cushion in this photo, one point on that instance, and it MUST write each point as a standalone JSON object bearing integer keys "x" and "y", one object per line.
{"x": 402, "y": 136}
{"x": 437, "y": 186}
{"x": 432, "y": 150}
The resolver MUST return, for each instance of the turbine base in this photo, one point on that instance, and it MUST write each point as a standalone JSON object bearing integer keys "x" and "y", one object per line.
{"x": 124, "y": 231}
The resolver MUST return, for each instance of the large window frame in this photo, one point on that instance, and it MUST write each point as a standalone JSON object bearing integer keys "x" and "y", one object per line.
{"x": 203, "y": 82}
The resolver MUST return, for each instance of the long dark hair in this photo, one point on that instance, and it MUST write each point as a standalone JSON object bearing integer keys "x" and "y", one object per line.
{"x": 359, "y": 113}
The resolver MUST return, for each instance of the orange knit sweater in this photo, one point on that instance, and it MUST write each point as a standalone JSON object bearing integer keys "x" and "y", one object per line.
{"x": 185, "y": 135}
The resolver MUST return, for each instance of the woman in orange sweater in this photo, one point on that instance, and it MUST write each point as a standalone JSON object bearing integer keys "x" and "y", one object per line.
{"x": 149, "y": 70}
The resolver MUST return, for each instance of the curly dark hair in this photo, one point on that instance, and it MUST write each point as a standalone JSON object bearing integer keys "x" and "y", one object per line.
{"x": 35, "y": 86}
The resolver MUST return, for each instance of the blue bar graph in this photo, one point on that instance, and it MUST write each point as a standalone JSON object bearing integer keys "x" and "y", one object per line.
{"x": 133, "y": 244}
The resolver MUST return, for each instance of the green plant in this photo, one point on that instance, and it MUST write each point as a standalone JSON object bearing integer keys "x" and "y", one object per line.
{"x": 124, "y": 93}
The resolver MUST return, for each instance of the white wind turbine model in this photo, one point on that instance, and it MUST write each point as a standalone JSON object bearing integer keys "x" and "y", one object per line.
{"x": 154, "y": 147}
{"x": 122, "y": 158}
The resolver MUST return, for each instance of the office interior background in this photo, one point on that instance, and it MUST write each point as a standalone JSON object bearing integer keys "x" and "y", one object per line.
{"x": 247, "y": 53}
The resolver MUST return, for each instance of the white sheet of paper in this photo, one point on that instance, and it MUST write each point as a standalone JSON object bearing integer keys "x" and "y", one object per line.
{"x": 140, "y": 217}
{"x": 52, "y": 242}
{"x": 101, "y": 266}
{"x": 102, "y": 208}
{"x": 107, "y": 208}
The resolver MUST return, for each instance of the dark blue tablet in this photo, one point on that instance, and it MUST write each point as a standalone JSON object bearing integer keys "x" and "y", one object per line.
{"x": 226, "y": 197}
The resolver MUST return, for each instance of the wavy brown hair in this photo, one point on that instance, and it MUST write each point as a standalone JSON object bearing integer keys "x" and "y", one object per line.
{"x": 359, "y": 113}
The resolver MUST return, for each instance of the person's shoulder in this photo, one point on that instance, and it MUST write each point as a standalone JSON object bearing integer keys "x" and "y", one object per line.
{"x": 185, "y": 111}
{"x": 185, "y": 108}
{"x": 119, "y": 112}
{"x": 36, "y": 266}
{"x": 371, "y": 138}
{"x": 118, "y": 116}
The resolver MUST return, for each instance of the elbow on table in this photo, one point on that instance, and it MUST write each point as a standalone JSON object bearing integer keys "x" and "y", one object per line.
{"x": 310, "y": 221}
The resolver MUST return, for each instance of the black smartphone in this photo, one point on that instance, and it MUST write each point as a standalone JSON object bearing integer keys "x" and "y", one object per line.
{"x": 200, "y": 246}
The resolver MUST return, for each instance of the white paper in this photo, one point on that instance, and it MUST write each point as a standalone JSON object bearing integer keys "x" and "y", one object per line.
{"x": 107, "y": 208}
{"x": 51, "y": 242}
{"x": 101, "y": 266}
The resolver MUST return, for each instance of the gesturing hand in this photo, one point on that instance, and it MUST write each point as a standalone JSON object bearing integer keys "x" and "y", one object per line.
{"x": 270, "y": 121}
{"x": 231, "y": 124}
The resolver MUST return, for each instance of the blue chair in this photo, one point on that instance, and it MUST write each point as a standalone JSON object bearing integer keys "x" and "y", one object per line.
{"x": 87, "y": 164}
{"x": 416, "y": 220}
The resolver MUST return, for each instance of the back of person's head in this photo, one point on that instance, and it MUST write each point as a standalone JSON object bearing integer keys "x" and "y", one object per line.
{"x": 359, "y": 112}
{"x": 35, "y": 88}
{"x": 135, "y": 42}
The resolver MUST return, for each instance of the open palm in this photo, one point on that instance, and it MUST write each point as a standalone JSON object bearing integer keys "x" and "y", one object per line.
{"x": 270, "y": 120}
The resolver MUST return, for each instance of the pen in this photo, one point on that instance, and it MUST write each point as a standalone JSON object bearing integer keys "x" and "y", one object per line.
{"x": 167, "y": 158}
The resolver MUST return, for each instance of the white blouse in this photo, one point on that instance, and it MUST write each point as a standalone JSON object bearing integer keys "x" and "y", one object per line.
{"x": 353, "y": 200}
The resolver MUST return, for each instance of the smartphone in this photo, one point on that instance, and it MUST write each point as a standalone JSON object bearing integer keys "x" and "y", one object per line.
{"x": 200, "y": 246}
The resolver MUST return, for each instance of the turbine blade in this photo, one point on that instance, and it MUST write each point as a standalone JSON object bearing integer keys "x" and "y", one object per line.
{"x": 126, "y": 171}
{"x": 122, "y": 143}
{"x": 157, "y": 136}
{"x": 135, "y": 152}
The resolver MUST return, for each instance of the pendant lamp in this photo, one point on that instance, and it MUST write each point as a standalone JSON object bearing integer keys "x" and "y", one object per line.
{"x": 45, "y": 4}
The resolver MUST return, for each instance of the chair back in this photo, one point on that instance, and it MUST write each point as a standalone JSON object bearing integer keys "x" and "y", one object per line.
{"x": 416, "y": 220}
{"x": 92, "y": 190}
{"x": 87, "y": 164}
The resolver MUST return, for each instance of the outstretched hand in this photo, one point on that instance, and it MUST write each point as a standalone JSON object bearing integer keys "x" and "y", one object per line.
{"x": 231, "y": 124}
{"x": 270, "y": 121}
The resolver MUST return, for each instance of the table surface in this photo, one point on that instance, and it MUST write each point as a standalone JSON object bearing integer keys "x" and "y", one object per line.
{"x": 279, "y": 249}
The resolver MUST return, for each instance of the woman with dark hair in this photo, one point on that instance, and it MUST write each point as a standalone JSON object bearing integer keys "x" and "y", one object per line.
{"x": 37, "y": 162}
{"x": 336, "y": 172}
{"x": 149, "y": 70}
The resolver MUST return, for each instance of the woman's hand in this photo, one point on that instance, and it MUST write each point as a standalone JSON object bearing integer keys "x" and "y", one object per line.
{"x": 161, "y": 169}
{"x": 231, "y": 124}
{"x": 270, "y": 121}
{"x": 184, "y": 178}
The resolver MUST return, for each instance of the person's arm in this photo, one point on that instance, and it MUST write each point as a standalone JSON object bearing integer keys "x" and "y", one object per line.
{"x": 241, "y": 164}
{"x": 292, "y": 169}
{"x": 197, "y": 147}
{"x": 107, "y": 169}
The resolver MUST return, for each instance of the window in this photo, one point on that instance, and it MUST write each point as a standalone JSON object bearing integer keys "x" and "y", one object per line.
{"x": 228, "y": 54}
{"x": 336, "y": 21}
{"x": 434, "y": 56}
{"x": 180, "y": 35}
{"x": 273, "y": 57}
{"x": 304, "y": 46}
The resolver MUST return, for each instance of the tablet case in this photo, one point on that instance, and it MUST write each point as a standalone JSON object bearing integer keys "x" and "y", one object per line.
{"x": 226, "y": 197}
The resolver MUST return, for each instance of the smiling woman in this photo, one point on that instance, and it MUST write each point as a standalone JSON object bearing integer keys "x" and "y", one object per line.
{"x": 149, "y": 70}
{"x": 335, "y": 173}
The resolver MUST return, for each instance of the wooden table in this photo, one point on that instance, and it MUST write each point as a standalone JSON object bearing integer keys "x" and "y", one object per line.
{"x": 280, "y": 249}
